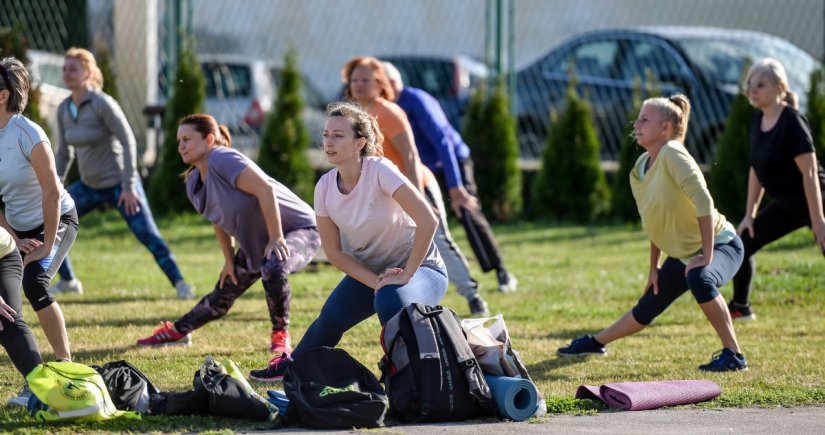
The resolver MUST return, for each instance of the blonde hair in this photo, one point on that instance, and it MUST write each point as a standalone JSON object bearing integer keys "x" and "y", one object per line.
{"x": 363, "y": 125}
{"x": 87, "y": 59}
{"x": 675, "y": 110}
{"x": 775, "y": 73}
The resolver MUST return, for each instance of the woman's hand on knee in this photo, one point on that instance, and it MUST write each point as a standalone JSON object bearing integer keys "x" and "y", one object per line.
{"x": 392, "y": 276}
{"x": 696, "y": 262}
{"x": 653, "y": 281}
{"x": 26, "y": 246}
{"x": 6, "y": 311}
{"x": 228, "y": 271}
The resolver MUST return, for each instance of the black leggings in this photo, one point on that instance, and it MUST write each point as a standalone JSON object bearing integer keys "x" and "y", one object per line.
{"x": 772, "y": 223}
{"x": 38, "y": 274}
{"x": 16, "y": 337}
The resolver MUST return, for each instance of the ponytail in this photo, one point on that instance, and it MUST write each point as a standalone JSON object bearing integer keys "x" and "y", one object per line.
{"x": 675, "y": 110}
{"x": 206, "y": 125}
{"x": 223, "y": 138}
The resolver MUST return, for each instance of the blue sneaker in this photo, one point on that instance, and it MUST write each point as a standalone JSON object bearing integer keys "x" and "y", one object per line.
{"x": 582, "y": 346}
{"x": 725, "y": 360}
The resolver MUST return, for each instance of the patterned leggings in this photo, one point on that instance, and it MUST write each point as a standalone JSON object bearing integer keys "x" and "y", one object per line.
{"x": 303, "y": 244}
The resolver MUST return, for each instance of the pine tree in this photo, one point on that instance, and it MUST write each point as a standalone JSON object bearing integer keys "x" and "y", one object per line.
{"x": 285, "y": 139}
{"x": 571, "y": 184}
{"x": 490, "y": 131}
{"x": 728, "y": 181}
{"x": 167, "y": 192}
{"x": 816, "y": 112}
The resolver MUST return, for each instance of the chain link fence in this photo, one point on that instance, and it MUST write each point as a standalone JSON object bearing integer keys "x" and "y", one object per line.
{"x": 443, "y": 47}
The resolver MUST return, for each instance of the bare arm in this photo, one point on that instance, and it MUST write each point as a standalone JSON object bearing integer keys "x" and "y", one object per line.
{"x": 706, "y": 230}
{"x": 228, "y": 251}
{"x": 331, "y": 241}
{"x": 405, "y": 145}
{"x": 414, "y": 204}
{"x": 754, "y": 198}
{"x": 653, "y": 271}
{"x": 813, "y": 195}
{"x": 254, "y": 182}
{"x": 42, "y": 161}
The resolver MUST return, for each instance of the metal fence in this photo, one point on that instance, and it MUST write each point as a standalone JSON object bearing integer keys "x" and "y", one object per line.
{"x": 446, "y": 48}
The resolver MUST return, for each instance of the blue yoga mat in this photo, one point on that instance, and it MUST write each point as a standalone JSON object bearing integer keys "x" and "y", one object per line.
{"x": 278, "y": 398}
{"x": 516, "y": 398}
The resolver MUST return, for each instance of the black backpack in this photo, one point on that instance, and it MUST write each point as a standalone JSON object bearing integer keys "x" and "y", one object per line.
{"x": 129, "y": 388}
{"x": 428, "y": 369}
{"x": 328, "y": 389}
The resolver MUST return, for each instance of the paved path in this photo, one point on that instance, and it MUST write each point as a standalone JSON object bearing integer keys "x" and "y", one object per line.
{"x": 796, "y": 421}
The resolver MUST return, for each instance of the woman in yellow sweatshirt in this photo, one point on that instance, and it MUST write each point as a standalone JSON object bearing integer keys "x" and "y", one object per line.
{"x": 702, "y": 248}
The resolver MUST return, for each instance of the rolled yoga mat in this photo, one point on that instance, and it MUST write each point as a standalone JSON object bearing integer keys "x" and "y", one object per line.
{"x": 638, "y": 396}
{"x": 278, "y": 398}
{"x": 515, "y": 398}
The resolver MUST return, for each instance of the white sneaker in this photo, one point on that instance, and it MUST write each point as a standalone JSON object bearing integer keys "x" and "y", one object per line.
{"x": 22, "y": 398}
{"x": 70, "y": 286}
{"x": 185, "y": 291}
{"x": 507, "y": 282}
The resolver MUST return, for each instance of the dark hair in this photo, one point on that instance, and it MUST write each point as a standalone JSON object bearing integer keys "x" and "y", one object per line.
{"x": 387, "y": 92}
{"x": 17, "y": 81}
{"x": 206, "y": 125}
{"x": 363, "y": 125}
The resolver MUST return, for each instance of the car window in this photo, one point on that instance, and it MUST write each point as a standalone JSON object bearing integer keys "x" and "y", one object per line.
{"x": 595, "y": 59}
{"x": 434, "y": 76}
{"x": 720, "y": 61}
{"x": 644, "y": 56}
{"x": 224, "y": 80}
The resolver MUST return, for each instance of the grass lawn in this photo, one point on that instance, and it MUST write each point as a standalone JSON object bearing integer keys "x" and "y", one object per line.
{"x": 572, "y": 280}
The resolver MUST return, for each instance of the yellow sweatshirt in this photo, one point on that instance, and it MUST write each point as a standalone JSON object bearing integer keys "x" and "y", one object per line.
{"x": 671, "y": 196}
{"x": 6, "y": 242}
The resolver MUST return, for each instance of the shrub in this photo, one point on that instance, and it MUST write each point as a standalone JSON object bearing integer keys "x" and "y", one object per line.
{"x": 285, "y": 139}
{"x": 167, "y": 192}
{"x": 14, "y": 43}
{"x": 571, "y": 184}
{"x": 816, "y": 112}
{"x": 728, "y": 181}
{"x": 490, "y": 131}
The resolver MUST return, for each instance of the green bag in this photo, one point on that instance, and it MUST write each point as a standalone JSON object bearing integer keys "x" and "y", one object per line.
{"x": 72, "y": 392}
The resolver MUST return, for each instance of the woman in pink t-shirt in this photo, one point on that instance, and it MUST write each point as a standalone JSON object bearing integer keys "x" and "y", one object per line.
{"x": 376, "y": 227}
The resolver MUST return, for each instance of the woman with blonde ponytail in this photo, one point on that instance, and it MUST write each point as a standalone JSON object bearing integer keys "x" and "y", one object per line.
{"x": 784, "y": 164}
{"x": 702, "y": 248}
{"x": 92, "y": 127}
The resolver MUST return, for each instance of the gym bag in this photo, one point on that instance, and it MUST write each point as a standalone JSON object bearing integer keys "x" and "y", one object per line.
{"x": 428, "y": 369}
{"x": 128, "y": 386}
{"x": 328, "y": 389}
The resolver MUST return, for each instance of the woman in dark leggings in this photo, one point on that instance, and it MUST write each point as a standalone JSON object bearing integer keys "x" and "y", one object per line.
{"x": 15, "y": 335}
{"x": 782, "y": 163}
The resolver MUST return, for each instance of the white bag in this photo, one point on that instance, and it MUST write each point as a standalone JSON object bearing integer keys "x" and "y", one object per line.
{"x": 492, "y": 348}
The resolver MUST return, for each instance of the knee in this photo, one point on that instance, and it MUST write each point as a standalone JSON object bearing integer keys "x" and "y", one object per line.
{"x": 643, "y": 315}
{"x": 387, "y": 303}
{"x": 274, "y": 270}
{"x": 702, "y": 284}
{"x": 35, "y": 288}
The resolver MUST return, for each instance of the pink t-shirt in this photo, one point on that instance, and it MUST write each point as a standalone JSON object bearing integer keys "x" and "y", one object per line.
{"x": 375, "y": 231}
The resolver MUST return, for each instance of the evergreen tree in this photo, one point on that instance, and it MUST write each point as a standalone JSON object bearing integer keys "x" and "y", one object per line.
{"x": 816, "y": 112}
{"x": 571, "y": 184}
{"x": 490, "y": 131}
{"x": 623, "y": 205}
{"x": 285, "y": 139}
{"x": 167, "y": 192}
{"x": 104, "y": 61}
{"x": 14, "y": 43}
{"x": 728, "y": 181}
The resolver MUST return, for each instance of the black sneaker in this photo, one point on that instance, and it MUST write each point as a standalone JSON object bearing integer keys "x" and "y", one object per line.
{"x": 274, "y": 372}
{"x": 725, "y": 360}
{"x": 478, "y": 307}
{"x": 741, "y": 312}
{"x": 507, "y": 282}
{"x": 582, "y": 346}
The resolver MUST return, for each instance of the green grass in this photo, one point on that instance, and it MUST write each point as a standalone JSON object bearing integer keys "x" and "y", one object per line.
{"x": 572, "y": 280}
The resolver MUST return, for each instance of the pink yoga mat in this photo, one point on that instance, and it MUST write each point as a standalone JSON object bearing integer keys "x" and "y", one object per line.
{"x": 638, "y": 396}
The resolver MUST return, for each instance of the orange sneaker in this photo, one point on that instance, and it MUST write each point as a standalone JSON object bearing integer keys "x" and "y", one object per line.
{"x": 166, "y": 335}
{"x": 281, "y": 342}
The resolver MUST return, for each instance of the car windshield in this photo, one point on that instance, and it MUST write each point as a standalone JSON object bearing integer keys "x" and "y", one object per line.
{"x": 433, "y": 76}
{"x": 723, "y": 60}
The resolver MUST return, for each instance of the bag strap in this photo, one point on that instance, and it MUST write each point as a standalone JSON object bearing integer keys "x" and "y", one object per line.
{"x": 421, "y": 319}
{"x": 448, "y": 320}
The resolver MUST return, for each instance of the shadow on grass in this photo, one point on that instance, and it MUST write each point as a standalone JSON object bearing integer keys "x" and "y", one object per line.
{"x": 116, "y": 300}
{"x": 544, "y": 370}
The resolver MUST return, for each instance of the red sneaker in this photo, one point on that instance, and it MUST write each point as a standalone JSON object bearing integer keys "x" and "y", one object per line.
{"x": 281, "y": 342}
{"x": 165, "y": 335}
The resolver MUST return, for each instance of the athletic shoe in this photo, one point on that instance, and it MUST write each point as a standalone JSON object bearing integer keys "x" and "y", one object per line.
{"x": 582, "y": 346}
{"x": 67, "y": 286}
{"x": 725, "y": 360}
{"x": 274, "y": 372}
{"x": 281, "y": 342}
{"x": 165, "y": 335}
{"x": 507, "y": 282}
{"x": 22, "y": 398}
{"x": 741, "y": 312}
{"x": 478, "y": 307}
{"x": 185, "y": 291}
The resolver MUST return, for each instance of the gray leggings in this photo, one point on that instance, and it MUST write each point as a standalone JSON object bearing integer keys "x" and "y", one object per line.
{"x": 703, "y": 282}
{"x": 16, "y": 337}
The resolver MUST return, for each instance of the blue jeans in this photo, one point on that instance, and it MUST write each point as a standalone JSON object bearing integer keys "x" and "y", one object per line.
{"x": 141, "y": 223}
{"x": 352, "y": 302}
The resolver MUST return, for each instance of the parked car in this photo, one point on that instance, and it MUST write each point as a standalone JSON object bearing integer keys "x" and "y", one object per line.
{"x": 451, "y": 80}
{"x": 45, "y": 69}
{"x": 704, "y": 63}
{"x": 240, "y": 90}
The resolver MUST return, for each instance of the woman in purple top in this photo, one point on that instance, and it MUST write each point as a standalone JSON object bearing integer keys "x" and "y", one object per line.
{"x": 275, "y": 229}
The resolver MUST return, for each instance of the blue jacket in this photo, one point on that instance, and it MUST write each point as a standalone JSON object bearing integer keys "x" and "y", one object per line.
{"x": 440, "y": 146}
